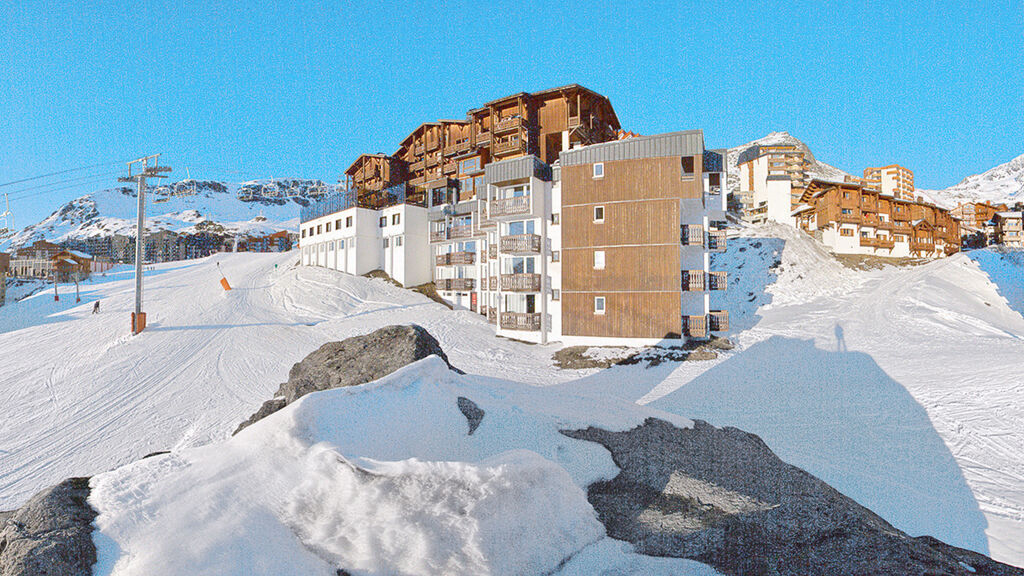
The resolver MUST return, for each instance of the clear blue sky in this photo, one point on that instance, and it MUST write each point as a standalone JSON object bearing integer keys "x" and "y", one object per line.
{"x": 236, "y": 91}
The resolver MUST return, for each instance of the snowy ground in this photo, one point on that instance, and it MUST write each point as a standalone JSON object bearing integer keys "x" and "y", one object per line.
{"x": 901, "y": 387}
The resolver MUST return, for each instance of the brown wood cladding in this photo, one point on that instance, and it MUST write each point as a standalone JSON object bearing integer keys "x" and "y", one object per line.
{"x": 629, "y": 180}
{"x": 627, "y": 268}
{"x": 625, "y": 223}
{"x": 627, "y": 315}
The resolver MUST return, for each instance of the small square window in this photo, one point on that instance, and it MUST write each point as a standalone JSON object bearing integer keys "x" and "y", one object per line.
{"x": 554, "y": 218}
{"x": 383, "y": 221}
{"x": 556, "y": 294}
{"x": 395, "y": 219}
{"x": 688, "y": 165}
{"x": 598, "y": 259}
{"x": 598, "y": 213}
{"x": 348, "y": 221}
{"x": 556, "y": 255}
{"x": 337, "y": 224}
{"x": 599, "y": 305}
{"x": 599, "y": 170}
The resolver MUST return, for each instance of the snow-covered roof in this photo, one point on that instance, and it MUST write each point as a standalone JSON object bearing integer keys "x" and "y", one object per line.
{"x": 801, "y": 209}
{"x": 80, "y": 254}
{"x": 1010, "y": 214}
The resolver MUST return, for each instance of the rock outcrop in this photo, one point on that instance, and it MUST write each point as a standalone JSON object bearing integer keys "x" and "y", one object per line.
{"x": 351, "y": 362}
{"x": 722, "y": 497}
{"x": 51, "y": 534}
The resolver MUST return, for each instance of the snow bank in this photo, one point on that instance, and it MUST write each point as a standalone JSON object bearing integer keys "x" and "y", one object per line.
{"x": 1006, "y": 270}
{"x": 380, "y": 478}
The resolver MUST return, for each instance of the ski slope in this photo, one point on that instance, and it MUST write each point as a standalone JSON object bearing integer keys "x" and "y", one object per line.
{"x": 900, "y": 387}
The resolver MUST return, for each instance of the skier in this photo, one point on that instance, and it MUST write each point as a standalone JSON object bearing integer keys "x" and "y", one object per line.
{"x": 96, "y": 307}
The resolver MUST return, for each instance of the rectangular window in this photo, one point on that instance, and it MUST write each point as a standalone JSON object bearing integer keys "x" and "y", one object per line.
{"x": 556, "y": 255}
{"x": 688, "y": 166}
{"x": 599, "y": 170}
{"x": 556, "y": 294}
{"x": 714, "y": 179}
{"x": 337, "y": 224}
{"x": 319, "y": 229}
{"x": 598, "y": 213}
{"x": 398, "y": 242}
{"x": 598, "y": 304}
{"x": 341, "y": 244}
{"x": 598, "y": 259}
{"x": 846, "y": 232}
{"x": 303, "y": 232}
{"x": 383, "y": 221}
{"x": 554, "y": 218}
{"x": 395, "y": 219}
{"x": 328, "y": 227}
{"x": 386, "y": 242}
{"x": 348, "y": 221}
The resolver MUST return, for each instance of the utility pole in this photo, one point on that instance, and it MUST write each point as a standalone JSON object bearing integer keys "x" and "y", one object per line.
{"x": 138, "y": 171}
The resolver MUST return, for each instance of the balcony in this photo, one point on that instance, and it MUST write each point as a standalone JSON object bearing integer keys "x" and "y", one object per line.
{"x": 884, "y": 242}
{"x": 716, "y": 240}
{"x": 520, "y": 282}
{"x": 455, "y": 259}
{"x": 507, "y": 146}
{"x": 849, "y": 218}
{"x": 483, "y": 138}
{"x": 492, "y": 283}
{"x": 884, "y": 225}
{"x": 462, "y": 146}
{"x": 450, "y": 167}
{"x": 693, "y": 280}
{"x": 454, "y": 284}
{"x": 416, "y": 166}
{"x": 921, "y": 246}
{"x": 431, "y": 161}
{"x": 438, "y": 236}
{"x": 695, "y": 326}
{"x": 492, "y": 315}
{"x": 520, "y": 321}
{"x": 719, "y": 320}
{"x": 463, "y": 231}
{"x": 718, "y": 281}
{"x": 521, "y": 244}
{"x": 691, "y": 235}
{"x": 868, "y": 242}
{"x": 510, "y": 206}
{"x": 507, "y": 125}
{"x": 901, "y": 226}
{"x": 492, "y": 252}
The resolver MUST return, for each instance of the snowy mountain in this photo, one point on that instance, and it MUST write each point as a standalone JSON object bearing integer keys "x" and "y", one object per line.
{"x": 817, "y": 169}
{"x": 1003, "y": 184}
{"x": 254, "y": 207}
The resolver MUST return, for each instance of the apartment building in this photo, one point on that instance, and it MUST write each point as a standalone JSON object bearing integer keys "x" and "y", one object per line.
{"x": 851, "y": 218}
{"x": 5, "y": 264}
{"x": 893, "y": 180}
{"x": 34, "y": 261}
{"x": 976, "y": 218}
{"x": 772, "y": 180}
{"x": 1008, "y": 230}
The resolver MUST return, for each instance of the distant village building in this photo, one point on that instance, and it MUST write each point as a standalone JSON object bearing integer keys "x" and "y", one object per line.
{"x": 71, "y": 266}
{"x": 772, "y": 180}
{"x": 893, "y": 180}
{"x": 280, "y": 241}
{"x": 851, "y": 218}
{"x": 5, "y": 264}
{"x": 35, "y": 261}
{"x": 1008, "y": 230}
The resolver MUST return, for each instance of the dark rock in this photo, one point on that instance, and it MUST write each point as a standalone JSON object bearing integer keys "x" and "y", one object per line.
{"x": 352, "y": 362}
{"x": 473, "y": 413}
{"x": 51, "y": 534}
{"x": 721, "y": 496}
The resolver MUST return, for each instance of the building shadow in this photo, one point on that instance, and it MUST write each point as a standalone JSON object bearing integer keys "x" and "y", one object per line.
{"x": 751, "y": 265}
{"x": 839, "y": 416}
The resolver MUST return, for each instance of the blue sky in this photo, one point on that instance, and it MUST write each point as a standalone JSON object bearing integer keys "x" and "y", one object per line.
{"x": 235, "y": 90}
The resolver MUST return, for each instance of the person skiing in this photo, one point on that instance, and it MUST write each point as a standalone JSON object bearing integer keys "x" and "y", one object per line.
{"x": 96, "y": 307}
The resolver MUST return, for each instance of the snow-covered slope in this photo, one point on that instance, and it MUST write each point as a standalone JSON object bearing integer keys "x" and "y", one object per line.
{"x": 256, "y": 207}
{"x": 817, "y": 168}
{"x": 1003, "y": 184}
{"x": 899, "y": 386}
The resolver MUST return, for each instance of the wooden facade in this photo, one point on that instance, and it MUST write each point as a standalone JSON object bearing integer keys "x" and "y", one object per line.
{"x": 452, "y": 154}
{"x": 639, "y": 234}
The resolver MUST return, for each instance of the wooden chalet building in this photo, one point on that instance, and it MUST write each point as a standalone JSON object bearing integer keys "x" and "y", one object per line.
{"x": 71, "y": 266}
{"x": 5, "y": 264}
{"x": 851, "y": 218}
{"x": 1008, "y": 229}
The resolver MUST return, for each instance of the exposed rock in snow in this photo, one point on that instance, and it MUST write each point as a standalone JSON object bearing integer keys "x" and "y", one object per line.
{"x": 354, "y": 361}
{"x": 51, "y": 534}
{"x": 720, "y": 496}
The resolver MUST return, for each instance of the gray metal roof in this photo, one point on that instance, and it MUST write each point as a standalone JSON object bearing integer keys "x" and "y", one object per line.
{"x": 516, "y": 169}
{"x": 685, "y": 143}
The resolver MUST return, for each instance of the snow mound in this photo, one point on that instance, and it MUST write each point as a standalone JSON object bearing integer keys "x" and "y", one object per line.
{"x": 394, "y": 486}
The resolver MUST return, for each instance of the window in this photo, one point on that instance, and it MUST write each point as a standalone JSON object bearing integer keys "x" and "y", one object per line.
{"x": 383, "y": 221}
{"x": 598, "y": 213}
{"x": 554, "y": 218}
{"x": 846, "y": 194}
{"x": 348, "y": 222}
{"x": 386, "y": 242}
{"x": 328, "y": 227}
{"x": 351, "y": 242}
{"x": 687, "y": 166}
{"x": 598, "y": 259}
{"x": 556, "y": 255}
{"x": 319, "y": 229}
{"x": 337, "y": 224}
{"x": 846, "y": 231}
{"x": 847, "y": 211}
{"x": 714, "y": 179}
{"x": 556, "y": 294}
{"x": 341, "y": 244}
{"x": 303, "y": 232}
{"x": 395, "y": 219}
{"x": 398, "y": 242}
{"x": 598, "y": 304}
{"x": 599, "y": 170}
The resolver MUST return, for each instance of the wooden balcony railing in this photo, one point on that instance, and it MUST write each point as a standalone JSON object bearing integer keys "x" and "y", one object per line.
{"x": 506, "y": 146}
{"x": 901, "y": 226}
{"x": 718, "y": 281}
{"x": 438, "y": 235}
{"x": 492, "y": 252}
{"x": 416, "y": 166}
{"x": 521, "y": 244}
{"x": 695, "y": 326}
{"x": 454, "y": 284}
{"x": 455, "y": 259}
{"x": 691, "y": 235}
{"x": 462, "y": 146}
{"x": 884, "y": 225}
{"x": 883, "y": 242}
{"x": 492, "y": 283}
{"x": 520, "y": 282}
{"x": 850, "y": 218}
{"x": 431, "y": 160}
{"x": 868, "y": 242}
{"x": 693, "y": 280}
{"x": 507, "y": 124}
{"x": 450, "y": 167}
{"x": 719, "y": 320}
{"x": 510, "y": 206}
{"x": 520, "y": 321}
{"x": 921, "y": 246}
{"x": 492, "y": 315}
{"x": 716, "y": 240}
{"x": 462, "y": 231}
